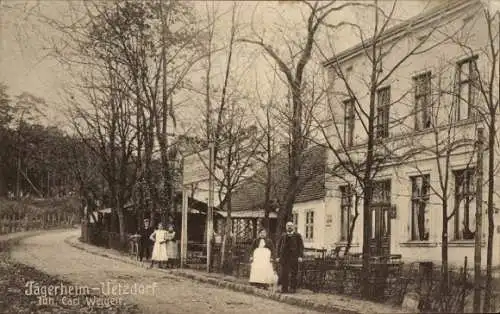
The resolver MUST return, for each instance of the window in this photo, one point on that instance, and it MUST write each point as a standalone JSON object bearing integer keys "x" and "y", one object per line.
{"x": 381, "y": 198}
{"x": 295, "y": 220}
{"x": 420, "y": 220}
{"x": 381, "y": 193}
{"x": 467, "y": 75}
{"x": 309, "y": 225}
{"x": 345, "y": 211}
{"x": 383, "y": 107}
{"x": 422, "y": 101}
{"x": 349, "y": 118}
{"x": 465, "y": 193}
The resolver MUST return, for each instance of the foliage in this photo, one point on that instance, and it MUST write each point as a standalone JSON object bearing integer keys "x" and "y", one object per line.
{"x": 40, "y": 157}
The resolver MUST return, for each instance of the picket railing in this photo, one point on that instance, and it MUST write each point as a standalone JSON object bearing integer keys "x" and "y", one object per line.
{"x": 46, "y": 221}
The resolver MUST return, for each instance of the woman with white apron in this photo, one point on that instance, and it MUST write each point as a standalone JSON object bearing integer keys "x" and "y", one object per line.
{"x": 262, "y": 273}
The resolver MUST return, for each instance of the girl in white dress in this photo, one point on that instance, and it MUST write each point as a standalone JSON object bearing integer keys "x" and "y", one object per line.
{"x": 172, "y": 251}
{"x": 261, "y": 270}
{"x": 159, "y": 236}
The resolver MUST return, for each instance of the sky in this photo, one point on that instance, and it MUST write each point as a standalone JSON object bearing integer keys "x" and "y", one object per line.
{"x": 25, "y": 66}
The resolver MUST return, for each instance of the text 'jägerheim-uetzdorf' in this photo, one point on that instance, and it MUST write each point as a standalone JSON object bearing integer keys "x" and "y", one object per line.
{"x": 107, "y": 294}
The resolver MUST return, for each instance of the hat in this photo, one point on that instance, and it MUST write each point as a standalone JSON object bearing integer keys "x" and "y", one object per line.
{"x": 289, "y": 223}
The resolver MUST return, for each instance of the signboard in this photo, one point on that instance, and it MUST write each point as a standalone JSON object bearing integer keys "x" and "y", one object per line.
{"x": 195, "y": 168}
{"x": 329, "y": 220}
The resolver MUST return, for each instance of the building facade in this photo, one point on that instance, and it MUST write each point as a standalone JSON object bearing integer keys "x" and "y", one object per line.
{"x": 429, "y": 74}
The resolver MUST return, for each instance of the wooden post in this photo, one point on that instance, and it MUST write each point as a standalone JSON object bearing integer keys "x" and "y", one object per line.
{"x": 184, "y": 231}
{"x": 479, "y": 223}
{"x": 18, "y": 175}
{"x": 254, "y": 227}
{"x": 464, "y": 282}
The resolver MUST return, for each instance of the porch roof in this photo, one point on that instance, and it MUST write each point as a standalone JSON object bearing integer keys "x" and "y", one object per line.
{"x": 247, "y": 214}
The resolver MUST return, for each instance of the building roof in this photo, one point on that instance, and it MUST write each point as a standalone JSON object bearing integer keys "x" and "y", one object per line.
{"x": 250, "y": 195}
{"x": 449, "y": 8}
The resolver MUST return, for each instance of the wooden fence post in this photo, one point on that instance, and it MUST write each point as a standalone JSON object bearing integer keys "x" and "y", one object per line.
{"x": 464, "y": 287}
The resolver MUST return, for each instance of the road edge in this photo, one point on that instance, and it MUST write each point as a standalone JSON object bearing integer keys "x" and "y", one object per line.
{"x": 283, "y": 298}
{"x": 8, "y": 240}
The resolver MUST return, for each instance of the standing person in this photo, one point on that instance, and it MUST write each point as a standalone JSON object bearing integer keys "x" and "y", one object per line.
{"x": 172, "y": 251}
{"x": 159, "y": 236}
{"x": 290, "y": 254}
{"x": 262, "y": 254}
{"x": 145, "y": 243}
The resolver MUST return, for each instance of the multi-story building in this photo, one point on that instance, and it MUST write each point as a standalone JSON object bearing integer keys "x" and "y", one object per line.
{"x": 424, "y": 79}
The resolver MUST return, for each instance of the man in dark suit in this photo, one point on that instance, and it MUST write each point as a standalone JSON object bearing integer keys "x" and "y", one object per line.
{"x": 289, "y": 255}
{"x": 145, "y": 243}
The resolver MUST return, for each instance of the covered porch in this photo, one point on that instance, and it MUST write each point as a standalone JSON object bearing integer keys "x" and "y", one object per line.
{"x": 246, "y": 224}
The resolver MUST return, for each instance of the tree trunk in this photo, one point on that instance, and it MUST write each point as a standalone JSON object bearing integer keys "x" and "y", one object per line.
{"x": 295, "y": 156}
{"x": 121, "y": 224}
{"x": 226, "y": 249}
{"x": 285, "y": 213}
{"x": 367, "y": 230}
{"x": 265, "y": 222}
{"x": 350, "y": 234}
{"x": 444, "y": 249}
{"x": 490, "y": 209}
{"x": 267, "y": 200}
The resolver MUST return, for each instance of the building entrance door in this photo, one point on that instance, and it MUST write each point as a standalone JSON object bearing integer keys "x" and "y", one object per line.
{"x": 380, "y": 237}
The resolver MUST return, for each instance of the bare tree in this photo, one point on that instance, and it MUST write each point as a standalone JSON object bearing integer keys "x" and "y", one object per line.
{"x": 442, "y": 141}
{"x": 366, "y": 100}
{"x": 227, "y": 128}
{"x": 155, "y": 45}
{"x": 109, "y": 125}
{"x": 294, "y": 69}
{"x": 267, "y": 149}
{"x": 483, "y": 99}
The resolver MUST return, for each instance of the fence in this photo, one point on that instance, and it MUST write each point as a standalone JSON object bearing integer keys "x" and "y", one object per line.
{"x": 390, "y": 279}
{"x": 92, "y": 234}
{"x": 44, "y": 221}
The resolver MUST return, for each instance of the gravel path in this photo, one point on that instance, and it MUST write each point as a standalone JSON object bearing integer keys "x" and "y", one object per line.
{"x": 162, "y": 293}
